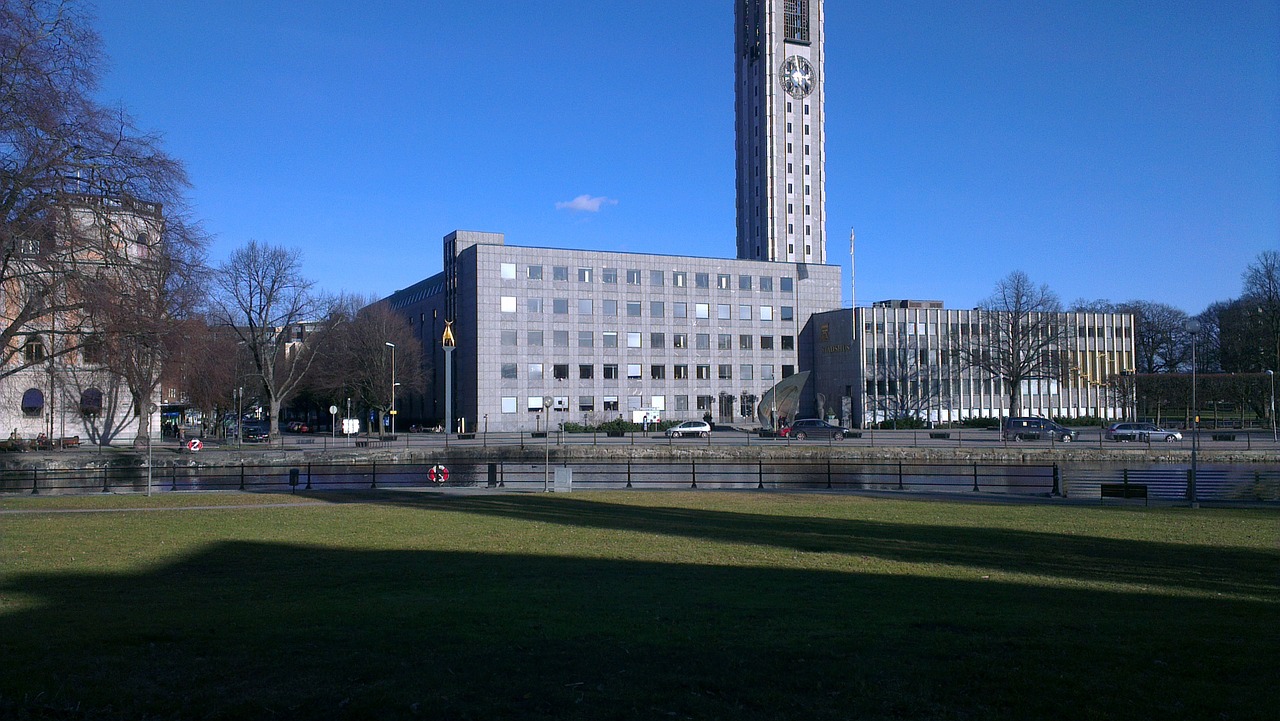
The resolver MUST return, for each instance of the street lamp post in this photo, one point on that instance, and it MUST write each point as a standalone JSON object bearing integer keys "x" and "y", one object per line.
{"x": 448, "y": 343}
{"x": 546, "y": 456}
{"x": 1192, "y": 326}
{"x": 392, "y": 346}
{"x": 1271, "y": 375}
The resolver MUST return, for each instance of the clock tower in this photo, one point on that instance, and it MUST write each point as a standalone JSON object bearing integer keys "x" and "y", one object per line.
{"x": 781, "y": 136}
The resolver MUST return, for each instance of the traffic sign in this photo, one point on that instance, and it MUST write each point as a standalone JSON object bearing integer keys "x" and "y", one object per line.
{"x": 194, "y": 445}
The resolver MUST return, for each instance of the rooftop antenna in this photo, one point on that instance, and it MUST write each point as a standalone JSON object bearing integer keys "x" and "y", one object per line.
{"x": 853, "y": 302}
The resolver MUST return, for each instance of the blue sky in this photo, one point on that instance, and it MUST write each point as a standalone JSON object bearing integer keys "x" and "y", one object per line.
{"x": 1118, "y": 149}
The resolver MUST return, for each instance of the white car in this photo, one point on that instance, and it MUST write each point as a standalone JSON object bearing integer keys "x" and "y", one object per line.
{"x": 701, "y": 429}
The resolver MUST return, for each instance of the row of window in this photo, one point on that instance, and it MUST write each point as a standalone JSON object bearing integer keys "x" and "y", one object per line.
{"x": 635, "y": 339}
{"x": 657, "y": 278}
{"x": 534, "y": 404}
{"x": 982, "y": 329}
{"x": 635, "y": 371}
{"x": 657, "y": 309}
{"x": 33, "y": 402}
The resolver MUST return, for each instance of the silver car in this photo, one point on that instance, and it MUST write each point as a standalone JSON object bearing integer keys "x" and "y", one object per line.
{"x": 690, "y": 428}
{"x": 1142, "y": 432}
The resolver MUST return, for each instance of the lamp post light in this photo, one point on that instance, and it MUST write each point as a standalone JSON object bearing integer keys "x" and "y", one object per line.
{"x": 546, "y": 455}
{"x": 392, "y": 346}
{"x": 1271, "y": 375}
{"x": 1192, "y": 326}
{"x": 448, "y": 343}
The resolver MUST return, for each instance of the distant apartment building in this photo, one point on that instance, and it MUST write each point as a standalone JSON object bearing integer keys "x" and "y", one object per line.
{"x": 604, "y": 335}
{"x": 54, "y": 380}
{"x": 913, "y": 359}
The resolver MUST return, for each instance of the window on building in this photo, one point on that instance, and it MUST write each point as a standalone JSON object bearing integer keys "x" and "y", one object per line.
{"x": 508, "y": 404}
{"x": 744, "y": 312}
{"x": 609, "y": 371}
{"x": 788, "y": 371}
{"x": 679, "y": 310}
{"x": 722, "y": 281}
{"x": 633, "y": 339}
{"x": 657, "y": 278}
{"x": 745, "y": 342}
{"x": 560, "y": 371}
{"x": 766, "y": 342}
{"x": 657, "y": 309}
{"x": 766, "y": 313}
{"x": 726, "y": 371}
{"x": 679, "y": 340}
{"x": 766, "y": 284}
{"x": 33, "y": 350}
{"x": 724, "y": 341}
{"x": 657, "y": 340}
{"x": 509, "y": 337}
{"x": 703, "y": 372}
{"x": 682, "y": 403}
{"x": 584, "y": 275}
{"x": 744, "y": 282}
{"x": 560, "y": 338}
{"x": 610, "y": 403}
{"x": 702, "y": 280}
{"x": 534, "y": 272}
{"x": 534, "y": 305}
{"x": 535, "y": 337}
{"x": 657, "y": 372}
{"x": 724, "y": 311}
{"x": 584, "y": 306}
{"x": 702, "y": 311}
{"x": 91, "y": 402}
{"x": 786, "y": 284}
{"x": 609, "y": 339}
{"x": 586, "y": 371}
{"x": 560, "y": 306}
{"x": 586, "y": 339}
{"x": 703, "y": 341}
{"x": 609, "y": 307}
{"x": 787, "y": 313}
{"x": 560, "y": 272}
{"x": 586, "y": 403}
{"x": 766, "y": 372}
{"x": 745, "y": 372}
{"x": 508, "y": 370}
{"x": 535, "y": 371}
{"x": 680, "y": 372}
{"x": 508, "y": 271}
{"x": 633, "y": 371}
{"x": 706, "y": 403}
{"x": 534, "y": 404}
{"x": 788, "y": 342}
{"x": 679, "y": 279}
{"x": 609, "y": 276}
{"x": 633, "y": 277}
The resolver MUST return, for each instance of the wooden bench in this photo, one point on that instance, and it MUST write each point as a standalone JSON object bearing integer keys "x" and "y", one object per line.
{"x": 1224, "y": 436}
{"x": 1124, "y": 490}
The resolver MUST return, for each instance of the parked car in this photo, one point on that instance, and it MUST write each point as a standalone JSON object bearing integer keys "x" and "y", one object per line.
{"x": 256, "y": 432}
{"x": 1034, "y": 429}
{"x": 298, "y": 427}
{"x": 803, "y": 428}
{"x": 701, "y": 429}
{"x": 1144, "y": 432}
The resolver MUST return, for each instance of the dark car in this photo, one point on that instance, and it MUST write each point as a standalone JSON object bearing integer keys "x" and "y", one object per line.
{"x": 1144, "y": 432}
{"x": 805, "y": 427}
{"x": 1034, "y": 429}
{"x": 256, "y": 432}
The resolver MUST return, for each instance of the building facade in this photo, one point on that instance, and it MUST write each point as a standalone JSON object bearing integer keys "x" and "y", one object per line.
{"x": 911, "y": 359}
{"x": 780, "y": 126}
{"x": 603, "y": 335}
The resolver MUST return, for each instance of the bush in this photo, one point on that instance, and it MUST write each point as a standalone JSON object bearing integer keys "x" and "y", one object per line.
{"x": 975, "y": 422}
{"x": 904, "y": 423}
{"x": 1081, "y": 421}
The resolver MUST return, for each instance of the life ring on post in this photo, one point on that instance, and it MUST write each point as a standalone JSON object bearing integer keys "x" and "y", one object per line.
{"x": 194, "y": 445}
{"x": 438, "y": 474}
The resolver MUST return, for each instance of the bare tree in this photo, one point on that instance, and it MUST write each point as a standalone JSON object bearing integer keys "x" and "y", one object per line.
{"x": 1262, "y": 299}
{"x": 906, "y": 381}
{"x": 357, "y": 359}
{"x": 1021, "y": 337}
{"x": 276, "y": 313}
{"x": 1160, "y": 342}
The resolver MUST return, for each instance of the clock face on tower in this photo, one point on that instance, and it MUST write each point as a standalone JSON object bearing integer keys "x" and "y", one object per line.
{"x": 797, "y": 76}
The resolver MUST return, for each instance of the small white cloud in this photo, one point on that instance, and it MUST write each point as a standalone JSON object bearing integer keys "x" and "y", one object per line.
{"x": 585, "y": 204}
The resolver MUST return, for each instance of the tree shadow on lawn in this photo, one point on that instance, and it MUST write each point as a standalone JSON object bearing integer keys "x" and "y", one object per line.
{"x": 257, "y": 630}
{"x": 1176, "y": 568}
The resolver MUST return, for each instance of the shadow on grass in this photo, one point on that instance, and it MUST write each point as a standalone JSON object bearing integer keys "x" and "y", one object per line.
{"x": 1158, "y": 566}
{"x": 260, "y": 630}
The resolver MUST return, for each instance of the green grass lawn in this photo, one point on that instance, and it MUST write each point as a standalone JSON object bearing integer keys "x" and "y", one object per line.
{"x": 613, "y": 605}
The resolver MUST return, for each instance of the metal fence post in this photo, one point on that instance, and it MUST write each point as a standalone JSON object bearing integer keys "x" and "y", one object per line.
{"x": 828, "y": 473}
{"x": 308, "y": 477}
{"x": 173, "y": 478}
{"x": 1057, "y": 489}
{"x": 242, "y": 475}
{"x": 899, "y": 475}
{"x": 975, "y": 478}
{"x": 760, "y": 474}
{"x": 695, "y": 474}
{"x": 628, "y": 473}
{"x": 106, "y": 481}
{"x": 34, "y": 480}
{"x": 374, "y": 484}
